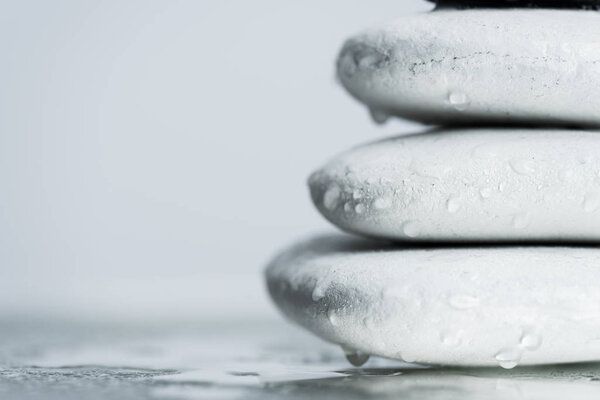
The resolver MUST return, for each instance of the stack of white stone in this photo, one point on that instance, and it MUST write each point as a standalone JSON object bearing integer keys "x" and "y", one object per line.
{"x": 495, "y": 205}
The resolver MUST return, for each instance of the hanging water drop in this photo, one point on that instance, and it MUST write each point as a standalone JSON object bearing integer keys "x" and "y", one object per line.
{"x": 411, "y": 229}
{"x": 378, "y": 116}
{"x": 354, "y": 357}
{"x": 509, "y": 358}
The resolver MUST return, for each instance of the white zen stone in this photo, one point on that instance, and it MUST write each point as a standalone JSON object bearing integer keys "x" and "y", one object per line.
{"x": 471, "y": 184}
{"x": 494, "y": 306}
{"x": 479, "y": 66}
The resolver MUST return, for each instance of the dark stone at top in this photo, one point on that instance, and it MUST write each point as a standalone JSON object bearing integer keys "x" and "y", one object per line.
{"x": 582, "y": 4}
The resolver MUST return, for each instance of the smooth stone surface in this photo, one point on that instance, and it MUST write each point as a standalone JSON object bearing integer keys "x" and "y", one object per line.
{"x": 503, "y": 306}
{"x": 505, "y": 66}
{"x": 467, "y": 185}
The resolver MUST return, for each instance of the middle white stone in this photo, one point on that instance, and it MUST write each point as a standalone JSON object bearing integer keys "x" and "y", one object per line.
{"x": 470, "y": 184}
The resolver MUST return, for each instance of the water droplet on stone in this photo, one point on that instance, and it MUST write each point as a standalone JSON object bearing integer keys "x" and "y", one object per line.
{"x": 591, "y": 202}
{"x": 462, "y": 302}
{"x": 450, "y": 339}
{"x": 378, "y": 116}
{"x": 360, "y": 208}
{"x": 356, "y": 358}
{"x": 411, "y": 229}
{"x": 453, "y": 204}
{"x": 458, "y": 100}
{"x": 331, "y": 198}
{"x": 521, "y": 220}
{"x": 382, "y": 203}
{"x": 509, "y": 358}
{"x": 486, "y": 193}
{"x": 531, "y": 341}
{"x": 523, "y": 166}
{"x": 333, "y": 317}
{"x": 318, "y": 292}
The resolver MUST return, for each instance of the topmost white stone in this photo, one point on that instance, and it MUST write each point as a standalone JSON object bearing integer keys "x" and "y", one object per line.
{"x": 480, "y": 66}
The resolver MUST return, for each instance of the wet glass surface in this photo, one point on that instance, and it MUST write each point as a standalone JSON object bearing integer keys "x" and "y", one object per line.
{"x": 250, "y": 360}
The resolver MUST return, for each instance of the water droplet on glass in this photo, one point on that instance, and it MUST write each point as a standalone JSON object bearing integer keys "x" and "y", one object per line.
{"x": 523, "y": 166}
{"x": 521, "y": 220}
{"x": 591, "y": 202}
{"x": 509, "y": 358}
{"x": 461, "y": 302}
{"x": 486, "y": 193}
{"x": 453, "y": 204}
{"x": 382, "y": 203}
{"x": 331, "y": 198}
{"x": 360, "y": 208}
{"x": 458, "y": 100}
{"x": 411, "y": 229}
{"x": 378, "y": 116}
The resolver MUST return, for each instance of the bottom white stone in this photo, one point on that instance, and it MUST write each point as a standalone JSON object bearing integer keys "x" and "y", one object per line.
{"x": 471, "y": 306}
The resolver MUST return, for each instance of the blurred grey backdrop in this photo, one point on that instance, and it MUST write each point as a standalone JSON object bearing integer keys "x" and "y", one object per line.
{"x": 154, "y": 154}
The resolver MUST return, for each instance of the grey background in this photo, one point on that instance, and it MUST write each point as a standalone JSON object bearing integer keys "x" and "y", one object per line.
{"x": 154, "y": 154}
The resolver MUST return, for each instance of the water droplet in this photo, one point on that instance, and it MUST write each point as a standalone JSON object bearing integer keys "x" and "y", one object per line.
{"x": 430, "y": 171}
{"x": 333, "y": 317}
{"x": 451, "y": 339}
{"x": 531, "y": 341}
{"x": 331, "y": 198}
{"x": 486, "y": 193}
{"x": 347, "y": 207}
{"x": 501, "y": 187}
{"x": 319, "y": 291}
{"x": 453, "y": 204}
{"x": 523, "y": 166}
{"x": 591, "y": 202}
{"x": 360, "y": 208}
{"x": 411, "y": 229}
{"x": 378, "y": 116}
{"x": 462, "y": 302}
{"x": 521, "y": 220}
{"x": 382, "y": 203}
{"x": 357, "y": 194}
{"x": 458, "y": 100}
{"x": 356, "y": 358}
{"x": 509, "y": 358}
